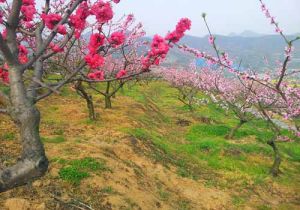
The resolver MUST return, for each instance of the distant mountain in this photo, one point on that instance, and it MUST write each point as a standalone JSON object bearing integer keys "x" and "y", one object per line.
{"x": 247, "y": 33}
{"x": 251, "y": 50}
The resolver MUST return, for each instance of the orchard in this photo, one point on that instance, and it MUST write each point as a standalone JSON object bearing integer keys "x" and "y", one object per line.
{"x": 83, "y": 46}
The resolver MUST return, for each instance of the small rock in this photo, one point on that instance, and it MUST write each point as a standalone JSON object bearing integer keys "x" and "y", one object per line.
{"x": 41, "y": 206}
{"x": 54, "y": 172}
{"x": 17, "y": 204}
{"x": 37, "y": 183}
{"x": 46, "y": 183}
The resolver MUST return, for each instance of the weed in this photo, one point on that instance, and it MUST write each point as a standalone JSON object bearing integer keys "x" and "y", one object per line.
{"x": 108, "y": 190}
{"x": 163, "y": 195}
{"x": 8, "y": 136}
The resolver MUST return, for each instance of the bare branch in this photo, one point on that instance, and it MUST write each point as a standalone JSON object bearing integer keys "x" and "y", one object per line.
{"x": 62, "y": 83}
{"x": 53, "y": 33}
{"x": 12, "y": 24}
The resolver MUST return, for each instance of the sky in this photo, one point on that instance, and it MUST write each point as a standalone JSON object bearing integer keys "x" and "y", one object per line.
{"x": 224, "y": 16}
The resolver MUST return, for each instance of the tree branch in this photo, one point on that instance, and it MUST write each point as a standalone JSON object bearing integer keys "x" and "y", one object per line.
{"x": 53, "y": 33}
{"x": 6, "y": 51}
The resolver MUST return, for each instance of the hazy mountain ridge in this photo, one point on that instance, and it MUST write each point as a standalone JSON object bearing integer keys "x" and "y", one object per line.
{"x": 250, "y": 49}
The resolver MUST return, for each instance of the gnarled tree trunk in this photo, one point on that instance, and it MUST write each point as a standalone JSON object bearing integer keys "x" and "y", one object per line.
{"x": 33, "y": 162}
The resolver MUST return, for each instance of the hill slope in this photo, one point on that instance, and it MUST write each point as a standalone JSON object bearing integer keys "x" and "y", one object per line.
{"x": 150, "y": 152}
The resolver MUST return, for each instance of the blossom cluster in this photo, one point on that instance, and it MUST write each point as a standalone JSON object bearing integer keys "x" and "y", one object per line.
{"x": 102, "y": 11}
{"x": 4, "y": 76}
{"x": 51, "y": 20}
{"x": 55, "y": 48}
{"x": 160, "y": 46}
{"x": 96, "y": 75}
{"x": 117, "y": 38}
{"x": 28, "y": 10}
{"x": 183, "y": 25}
{"x": 121, "y": 73}
{"x": 159, "y": 50}
{"x": 78, "y": 20}
{"x": 23, "y": 52}
{"x": 94, "y": 61}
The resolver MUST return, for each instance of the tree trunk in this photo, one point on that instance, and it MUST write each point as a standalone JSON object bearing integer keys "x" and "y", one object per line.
{"x": 235, "y": 129}
{"x": 107, "y": 96}
{"x": 33, "y": 162}
{"x": 277, "y": 158}
{"x": 90, "y": 105}
{"x": 108, "y": 102}
{"x": 88, "y": 98}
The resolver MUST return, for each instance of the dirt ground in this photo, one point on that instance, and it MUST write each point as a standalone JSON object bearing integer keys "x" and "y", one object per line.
{"x": 134, "y": 181}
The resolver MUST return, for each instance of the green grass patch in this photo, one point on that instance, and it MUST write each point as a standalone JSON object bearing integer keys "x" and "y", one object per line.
{"x": 76, "y": 170}
{"x": 54, "y": 140}
{"x": 203, "y": 131}
{"x": 164, "y": 195}
{"x": 8, "y": 136}
{"x": 73, "y": 175}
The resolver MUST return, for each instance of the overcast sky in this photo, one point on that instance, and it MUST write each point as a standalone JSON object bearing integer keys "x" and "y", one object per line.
{"x": 224, "y": 16}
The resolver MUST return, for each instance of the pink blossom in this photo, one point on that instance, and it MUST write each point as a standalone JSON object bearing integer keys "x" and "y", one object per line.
{"x": 102, "y": 11}
{"x": 51, "y": 19}
{"x": 117, "y": 38}
{"x": 278, "y": 30}
{"x": 97, "y": 75}
{"x": 28, "y": 11}
{"x": 56, "y": 48}
{"x": 78, "y": 20}
{"x": 183, "y": 25}
{"x": 4, "y": 76}
{"x": 23, "y": 52}
{"x": 61, "y": 29}
{"x": 211, "y": 40}
{"x": 94, "y": 61}
{"x": 96, "y": 40}
{"x": 121, "y": 74}
{"x": 1, "y": 16}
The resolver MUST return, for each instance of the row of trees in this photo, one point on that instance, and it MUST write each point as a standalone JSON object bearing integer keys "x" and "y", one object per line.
{"x": 246, "y": 94}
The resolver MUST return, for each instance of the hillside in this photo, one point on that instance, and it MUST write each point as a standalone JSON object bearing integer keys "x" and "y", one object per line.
{"x": 150, "y": 152}
{"x": 250, "y": 49}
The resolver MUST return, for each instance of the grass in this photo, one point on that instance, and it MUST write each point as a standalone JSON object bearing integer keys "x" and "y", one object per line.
{"x": 73, "y": 175}
{"x": 238, "y": 200}
{"x": 108, "y": 190}
{"x": 183, "y": 205}
{"x": 54, "y": 140}
{"x": 247, "y": 156}
{"x": 164, "y": 195}
{"x": 195, "y": 151}
{"x": 7, "y": 136}
{"x": 76, "y": 170}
